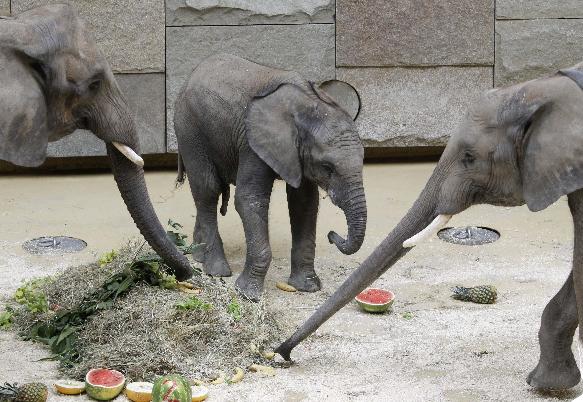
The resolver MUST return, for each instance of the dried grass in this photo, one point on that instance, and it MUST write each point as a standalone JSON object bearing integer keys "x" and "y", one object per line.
{"x": 145, "y": 335}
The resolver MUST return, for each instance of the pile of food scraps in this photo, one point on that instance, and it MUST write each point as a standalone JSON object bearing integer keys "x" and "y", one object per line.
{"x": 124, "y": 313}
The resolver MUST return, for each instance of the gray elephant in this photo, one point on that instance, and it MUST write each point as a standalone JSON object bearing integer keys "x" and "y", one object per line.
{"x": 54, "y": 80}
{"x": 242, "y": 123}
{"x": 516, "y": 145}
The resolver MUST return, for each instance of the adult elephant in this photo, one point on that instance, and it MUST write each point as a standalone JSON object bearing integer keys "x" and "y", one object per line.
{"x": 53, "y": 80}
{"x": 516, "y": 145}
{"x": 238, "y": 122}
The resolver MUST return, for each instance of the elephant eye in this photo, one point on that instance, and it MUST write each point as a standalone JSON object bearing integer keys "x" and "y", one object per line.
{"x": 41, "y": 70}
{"x": 95, "y": 85}
{"x": 328, "y": 168}
{"x": 468, "y": 159}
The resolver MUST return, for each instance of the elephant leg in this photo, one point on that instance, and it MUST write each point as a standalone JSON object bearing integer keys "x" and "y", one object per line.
{"x": 205, "y": 188}
{"x": 252, "y": 196}
{"x": 197, "y": 254}
{"x": 303, "y": 214}
{"x": 556, "y": 368}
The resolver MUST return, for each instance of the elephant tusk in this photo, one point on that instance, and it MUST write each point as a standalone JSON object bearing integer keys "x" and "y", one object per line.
{"x": 439, "y": 222}
{"x": 129, "y": 153}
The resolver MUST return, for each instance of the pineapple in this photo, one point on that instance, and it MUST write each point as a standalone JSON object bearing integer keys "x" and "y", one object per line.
{"x": 484, "y": 294}
{"x": 31, "y": 392}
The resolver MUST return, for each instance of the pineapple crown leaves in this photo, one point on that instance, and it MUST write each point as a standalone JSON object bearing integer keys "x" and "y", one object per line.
{"x": 8, "y": 390}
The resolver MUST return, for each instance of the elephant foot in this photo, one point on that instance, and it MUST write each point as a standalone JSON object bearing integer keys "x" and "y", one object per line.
{"x": 305, "y": 281}
{"x": 216, "y": 267}
{"x": 248, "y": 287}
{"x": 557, "y": 376}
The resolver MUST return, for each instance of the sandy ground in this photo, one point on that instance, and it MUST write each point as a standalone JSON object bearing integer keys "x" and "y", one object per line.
{"x": 447, "y": 351}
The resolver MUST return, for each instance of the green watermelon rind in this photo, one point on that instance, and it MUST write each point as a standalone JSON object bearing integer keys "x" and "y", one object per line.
{"x": 101, "y": 392}
{"x": 371, "y": 307}
{"x": 184, "y": 390}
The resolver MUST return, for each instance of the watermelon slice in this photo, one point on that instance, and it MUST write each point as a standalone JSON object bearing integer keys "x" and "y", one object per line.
{"x": 373, "y": 300}
{"x": 171, "y": 388}
{"x": 103, "y": 384}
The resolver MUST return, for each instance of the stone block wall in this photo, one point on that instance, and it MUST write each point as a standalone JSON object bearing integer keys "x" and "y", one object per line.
{"x": 536, "y": 37}
{"x": 415, "y": 63}
{"x": 4, "y": 7}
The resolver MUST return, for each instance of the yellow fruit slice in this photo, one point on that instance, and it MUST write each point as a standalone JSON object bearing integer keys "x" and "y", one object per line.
{"x": 187, "y": 285}
{"x": 220, "y": 379}
{"x": 285, "y": 287}
{"x": 199, "y": 393}
{"x": 239, "y": 374}
{"x": 265, "y": 370}
{"x": 139, "y": 391}
{"x": 268, "y": 355}
{"x": 69, "y": 387}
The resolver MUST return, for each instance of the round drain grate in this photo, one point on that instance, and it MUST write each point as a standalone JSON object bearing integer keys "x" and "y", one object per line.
{"x": 54, "y": 244}
{"x": 469, "y": 235}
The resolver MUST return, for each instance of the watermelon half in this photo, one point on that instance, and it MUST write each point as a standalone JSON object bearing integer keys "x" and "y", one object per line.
{"x": 374, "y": 300}
{"x": 103, "y": 384}
{"x": 171, "y": 388}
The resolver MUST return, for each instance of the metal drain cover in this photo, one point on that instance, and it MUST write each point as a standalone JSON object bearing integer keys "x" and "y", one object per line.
{"x": 54, "y": 244}
{"x": 469, "y": 235}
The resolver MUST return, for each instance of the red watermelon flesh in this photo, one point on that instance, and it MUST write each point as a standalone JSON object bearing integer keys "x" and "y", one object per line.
{"x": 375, "y": 296}
{"x": 106, "y": 378}
{"x": 104, "y": 384}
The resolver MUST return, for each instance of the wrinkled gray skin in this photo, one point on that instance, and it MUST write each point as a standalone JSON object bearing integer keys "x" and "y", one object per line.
{"x": 53, "y": 80}
{"x": 241, "y": 123}
{"x": 516, "y": 145}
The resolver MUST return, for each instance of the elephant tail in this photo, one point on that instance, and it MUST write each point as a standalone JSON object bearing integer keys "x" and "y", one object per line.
{"x": 225, "y": 194}
{"x": 180, "y": 178}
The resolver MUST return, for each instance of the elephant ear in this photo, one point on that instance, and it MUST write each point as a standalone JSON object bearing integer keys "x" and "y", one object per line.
{"x": 28, "y": 41}
{"x": 342, "y": 93}
{"x": 272, "y": 132}
{"x": 41, "y": 32}
{"x": 23, "y": 115}
{"x": 552, "y": 147}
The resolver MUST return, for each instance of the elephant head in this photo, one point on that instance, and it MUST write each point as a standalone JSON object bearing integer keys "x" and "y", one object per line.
{"x": 516, "y": 145}
{"x": 54, "y": 80}
{"x": 300, "y": 131}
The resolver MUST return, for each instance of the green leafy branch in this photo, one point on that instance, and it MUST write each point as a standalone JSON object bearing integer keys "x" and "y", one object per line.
{"x": 30, "y": 296}
{"x": 6, "y": 319}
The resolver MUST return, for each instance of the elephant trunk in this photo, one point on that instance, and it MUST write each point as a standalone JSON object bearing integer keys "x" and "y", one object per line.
{"x": 132, "y": 187}
{"x": 383, "y": 257}
{"x": 356, "y": 215}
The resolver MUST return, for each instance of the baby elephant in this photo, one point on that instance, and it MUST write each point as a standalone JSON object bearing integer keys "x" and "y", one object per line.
{"x": 238, "y": 122}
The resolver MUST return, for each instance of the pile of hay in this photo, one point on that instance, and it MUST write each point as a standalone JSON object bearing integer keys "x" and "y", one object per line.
{"x": 145, "y": 333}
